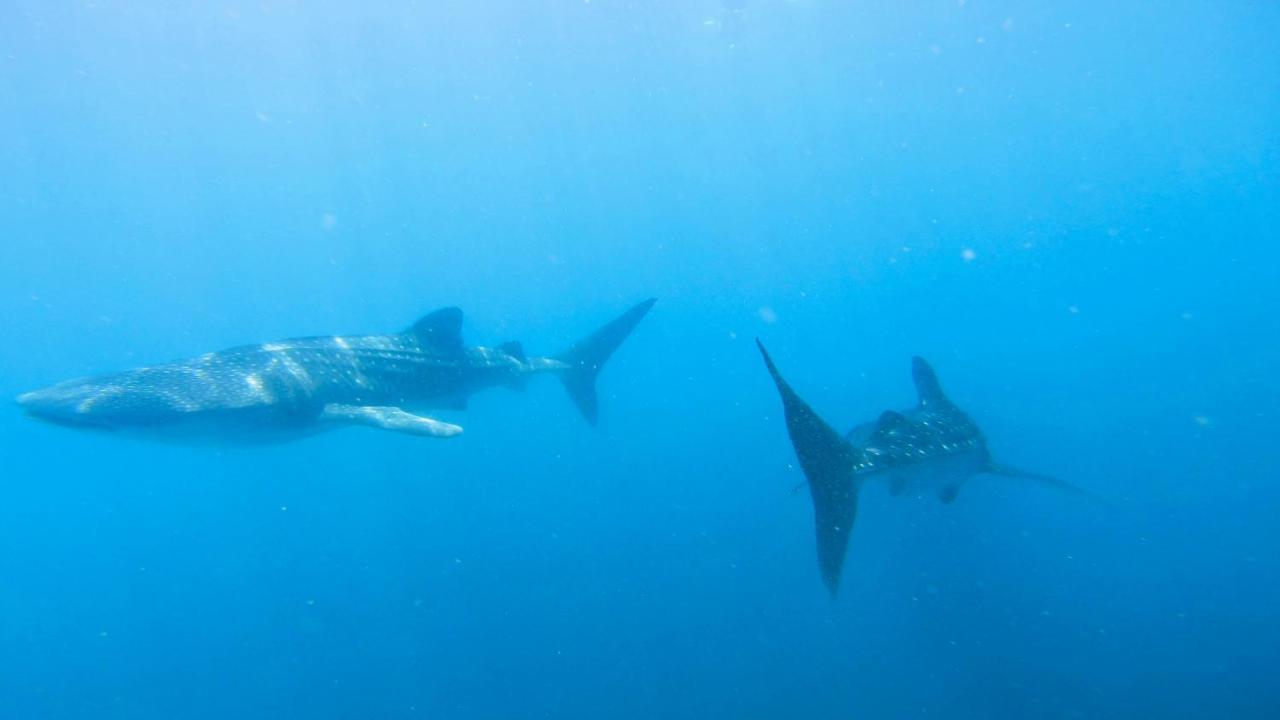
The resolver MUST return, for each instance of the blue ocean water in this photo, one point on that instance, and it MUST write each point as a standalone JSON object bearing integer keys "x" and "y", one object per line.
{"x": 1069, "y": 209}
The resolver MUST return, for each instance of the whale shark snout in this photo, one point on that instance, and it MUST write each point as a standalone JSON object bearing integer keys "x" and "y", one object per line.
{"x": 49, "y": 401}
{"x": 65, "y": 404}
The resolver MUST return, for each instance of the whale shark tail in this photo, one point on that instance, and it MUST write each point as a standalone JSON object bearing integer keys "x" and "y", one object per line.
{"x": 585, "y": 359}
{"x": 827, "y": 461}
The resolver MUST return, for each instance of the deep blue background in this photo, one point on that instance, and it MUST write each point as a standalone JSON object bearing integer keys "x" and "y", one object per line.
{"x": 1070, "y": 210}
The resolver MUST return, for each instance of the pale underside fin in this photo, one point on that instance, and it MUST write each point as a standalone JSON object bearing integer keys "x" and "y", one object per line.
{"x": 389, "y": 418}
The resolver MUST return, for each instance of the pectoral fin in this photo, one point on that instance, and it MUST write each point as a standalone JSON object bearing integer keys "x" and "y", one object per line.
{"x": 1006, "y": 471}
{"x": 948, "y": 493}
{"x": 389, "y": 418}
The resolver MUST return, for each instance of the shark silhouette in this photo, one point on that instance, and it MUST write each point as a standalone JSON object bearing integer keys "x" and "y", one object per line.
{"x": 281, "y": 390}
{"x": 934, "y": 447}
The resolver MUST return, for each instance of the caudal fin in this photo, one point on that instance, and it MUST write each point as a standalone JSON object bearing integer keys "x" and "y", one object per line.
{"x": 589, "y": 354}
{"x": 827, "y": 461}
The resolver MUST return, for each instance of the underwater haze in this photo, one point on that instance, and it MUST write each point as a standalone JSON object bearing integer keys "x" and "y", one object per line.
{"x": 1069, "y": 209}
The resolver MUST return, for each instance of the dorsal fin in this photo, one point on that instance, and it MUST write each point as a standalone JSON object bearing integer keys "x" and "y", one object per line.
{"x": 861, "y": 434}
{"x": 889, "y": 422}
{"x": 888, "y": 432}
{"x": 442, "y": 330}
{"x": 927, "y": 384}
{"x": 515, "y": 350}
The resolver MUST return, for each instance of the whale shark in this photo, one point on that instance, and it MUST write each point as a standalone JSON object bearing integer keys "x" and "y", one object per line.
{"x": 293, "y": 388}
{"x": 934, "y": 447}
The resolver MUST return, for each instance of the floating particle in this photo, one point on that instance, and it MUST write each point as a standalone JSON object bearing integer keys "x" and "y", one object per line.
{"x": 968, "y": 254}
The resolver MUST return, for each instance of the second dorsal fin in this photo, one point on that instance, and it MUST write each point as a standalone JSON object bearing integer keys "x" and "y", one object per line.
{"x": 515, "y": 350}
{"x": 890, "y": 421}
{"x": 441, "y": 330}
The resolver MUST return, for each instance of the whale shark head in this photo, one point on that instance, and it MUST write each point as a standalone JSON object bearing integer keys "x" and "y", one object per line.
{"x": 71, "y": 403}
{"x": 117, "y": 403}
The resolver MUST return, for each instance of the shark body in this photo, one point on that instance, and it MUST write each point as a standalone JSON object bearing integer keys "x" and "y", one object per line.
{"x": 933, "y": 447}
{"x": 281, "y": 390}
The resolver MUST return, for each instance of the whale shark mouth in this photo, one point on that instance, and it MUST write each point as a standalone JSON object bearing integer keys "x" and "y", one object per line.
{"x": 65, "y": 419}
{"x": 58, "y": 410}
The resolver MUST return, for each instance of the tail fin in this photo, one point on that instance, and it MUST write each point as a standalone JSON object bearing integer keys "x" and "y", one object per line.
{"x": 827, "y": 461}
{"x": 589, "y": 354}
{"x": 1053, "y": 482}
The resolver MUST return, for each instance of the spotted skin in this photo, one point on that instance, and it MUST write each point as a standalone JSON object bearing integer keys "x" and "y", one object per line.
{"x": 932, "y": 448}
{"x": 921, "y": 450}
{"x": 291, "y": 378}
{"x": 298, "y": 386}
